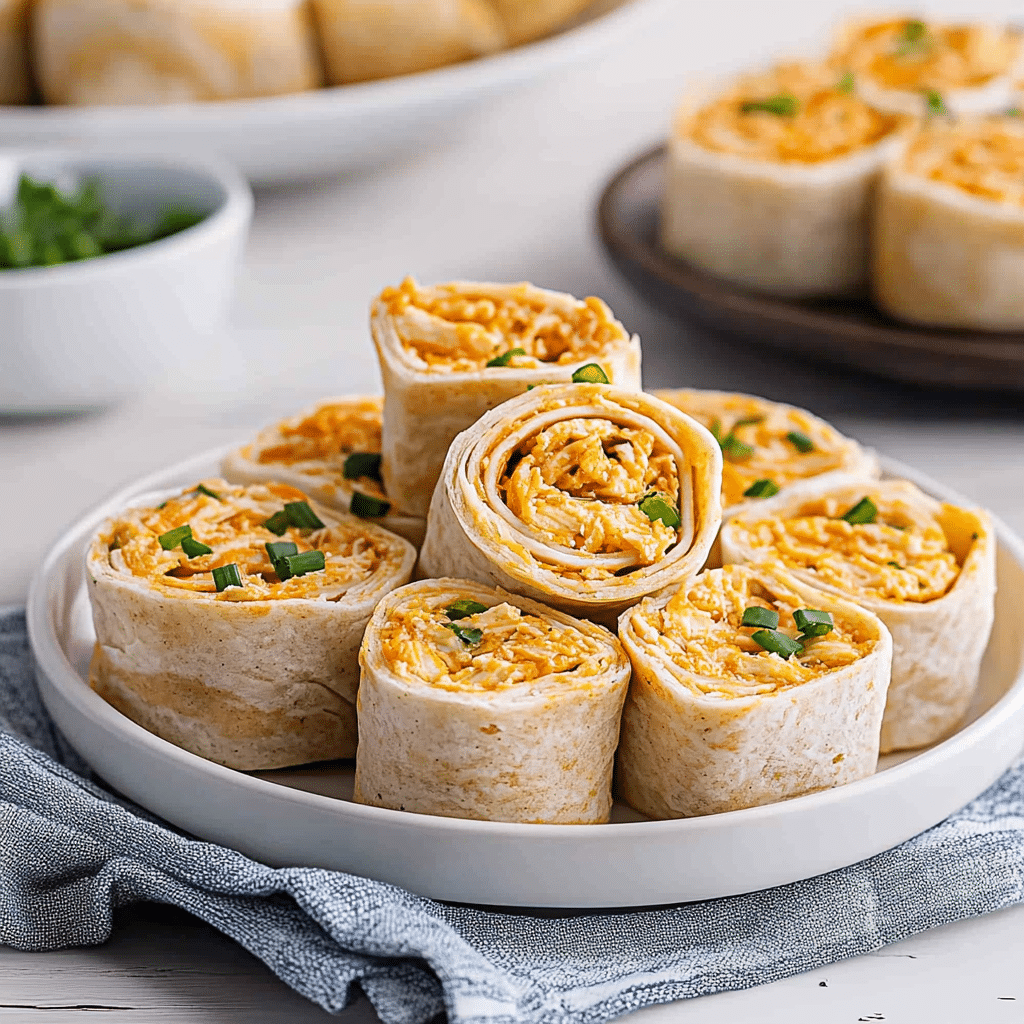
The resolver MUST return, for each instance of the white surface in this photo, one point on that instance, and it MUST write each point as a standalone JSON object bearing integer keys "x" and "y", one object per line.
{"x": 308, "y": 134}
{"x": 509, "y": 196}
{"x": 84, "y": 334}
{"x": 314, "y": 822}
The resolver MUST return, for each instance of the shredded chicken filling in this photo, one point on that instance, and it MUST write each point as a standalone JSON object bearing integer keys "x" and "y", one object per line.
{"x": 699, "y": 631}
{"x": 232, "y": 525}
{"x": 318, "y": 445}
{"x": 827, "y": 121}
{"x": 903, "y": 556}
{"x": 983, "y": 158}
{"x": 460, "y": 328}
{"x": 912, "y": 55}
{"x": 514, "y": 648}
{"x": 577, "y": 485}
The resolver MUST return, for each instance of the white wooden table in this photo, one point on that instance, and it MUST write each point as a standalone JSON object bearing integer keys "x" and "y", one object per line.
{"x": 508, "y": 195}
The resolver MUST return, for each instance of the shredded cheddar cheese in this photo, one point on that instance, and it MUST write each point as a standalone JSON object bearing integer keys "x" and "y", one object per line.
{"x": 232, "y": 525}
{"x": 699, "y": 631}
{"x": 578, "y": 483}
{"x": 460, "y": 328}
{"x": 910, "y": 55}
{"x": 827, "y": 121}
{"x": 904, "y": 556}
{"x": 515, "y": 647}
{"x": 774, "y": 457}
{"x": 983, "y": 157}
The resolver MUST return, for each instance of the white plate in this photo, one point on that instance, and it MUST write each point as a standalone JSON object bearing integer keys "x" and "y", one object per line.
{"x": 306, "y": 816}
{"x": 325, "y": 130}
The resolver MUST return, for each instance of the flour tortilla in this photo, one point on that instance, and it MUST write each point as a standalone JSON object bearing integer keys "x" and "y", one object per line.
{"x": 539, "y": 751}
{"x": 684, "y": 752}
{"x": 937, "y": 645}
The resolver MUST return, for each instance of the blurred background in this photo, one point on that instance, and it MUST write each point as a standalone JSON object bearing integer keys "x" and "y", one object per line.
{"x": 505, "y": 192}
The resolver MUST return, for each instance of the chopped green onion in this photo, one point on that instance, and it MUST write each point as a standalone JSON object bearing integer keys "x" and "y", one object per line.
{"x": 846, "y": 83}
{"x": 590, "y": 374}
{"x": 762, "y": 489}
{"x": 506, "y": 357}
{"x": 811, "y": 622}
{"x": 864, "y": 512}
{"x": 1013, "y": 112}
{"x": 657, "y": 507}
{"x": 362, "y": 464}
{"x": 467, "y": 634}
{"x": 172, "y": 538}
{"x": 194, "y": 548}
{"x": 735, "y": 449}
{"x": 762, "y": 618}
{"x": 203, "y": 489}
{"x": 225, "y": 576}
{"x": 278, "y": 523}
{"x": 367, "y": 507}
{"x": 782, "y": 106}
{"x": 460, "y": 609}
{"x": 913, "y": 31}
{"x": 895, "y": 565}
{"x": 778, "y": 643}
{"x": 301, "y": 516}
{"x": 747, "y": 421}
{"x": 801, "y": 442}
{"x": 298, "y": 565}
{"x": 934, "y": 103}
{"x": 278, "y": 549}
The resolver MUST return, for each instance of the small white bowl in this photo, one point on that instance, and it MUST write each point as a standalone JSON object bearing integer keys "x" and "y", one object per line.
{"x": 86, "y": 334}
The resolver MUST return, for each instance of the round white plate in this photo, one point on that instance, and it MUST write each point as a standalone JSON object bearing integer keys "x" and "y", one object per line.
{"x": 306, "y": 816}
{"x": 326, "y": 130}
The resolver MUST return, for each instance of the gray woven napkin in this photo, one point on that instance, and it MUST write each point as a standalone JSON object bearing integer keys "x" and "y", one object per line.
{"x": 70, "y": 853}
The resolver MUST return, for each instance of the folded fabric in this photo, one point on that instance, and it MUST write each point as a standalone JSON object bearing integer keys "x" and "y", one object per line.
{"x": 71, "y": 852}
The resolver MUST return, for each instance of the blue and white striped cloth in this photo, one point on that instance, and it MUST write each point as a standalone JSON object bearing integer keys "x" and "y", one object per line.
{"x": 71, "y": 852}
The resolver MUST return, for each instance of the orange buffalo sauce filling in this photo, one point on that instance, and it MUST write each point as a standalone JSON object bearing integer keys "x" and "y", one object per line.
{"x": 912, "y": 55}
{"x": 515, "y": 647}
{"x": 773, "y": 457}
{"x": 904, "y": 556}
{"x": 983, "y": 157}
{"x": 699, "y": 631}
{"x": 232, "y": 524}
{"x": 461, "y": 327}
{"x": 827, "y": 120}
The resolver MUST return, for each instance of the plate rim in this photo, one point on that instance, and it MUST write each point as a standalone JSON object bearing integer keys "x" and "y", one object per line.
{"x": 52, "y": 660}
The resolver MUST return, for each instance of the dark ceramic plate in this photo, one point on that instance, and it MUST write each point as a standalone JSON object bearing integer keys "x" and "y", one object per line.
{"x": 842, "y": 333}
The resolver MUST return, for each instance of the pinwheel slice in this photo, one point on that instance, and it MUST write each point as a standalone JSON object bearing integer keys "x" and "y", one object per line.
{"x": 769, "y": 447}
{"x": 15, "y": 84}
{"x": 228, "y": 620}
{"x": 584, "y": 496}
{"x": 530, "y": 19}
{"x": 367, "y": 39}
{"x": 450, "y": 353}
{"x": 332, "y": 452}
{"x": 769, "y": 181}
{"x": 926, "y": 568}
{"x": 948, "y": 244}
{"x": 718, "y": 719}
{"x": 475, "y": 703}
{"x": 114, "y": 52}
{"x": 923, "y": 67}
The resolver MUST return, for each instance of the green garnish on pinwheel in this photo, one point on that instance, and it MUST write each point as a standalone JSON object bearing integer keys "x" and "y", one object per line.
{"x": 863, "y": 513}
{"x": 506, "y": 357}
{"x": 782, "y": 105}
{"x": 367, "y": 507}
{"x": 362, "y": 464}
{"x": 592, "y": 373}
{"x": 657, "y": 508}
{"x": 464, "y": 607}
{"x": 298, "y": 565}
{"x": 225, "y": 576}
{"x": 812, "y": 622}
{"x": 801, "y": 442}
{"x": 777, "y": 643}
{"x": 467, "y": 634}
{"x": 194, "y": 548}
{"x": 762, "y": 489}
{"x": 762, "y": 618}
{"x": 172, "y": 538}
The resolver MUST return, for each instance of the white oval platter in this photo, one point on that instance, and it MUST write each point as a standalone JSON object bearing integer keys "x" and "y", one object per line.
{"x": 306, "y": 816}
{"x": 324, "y": 131}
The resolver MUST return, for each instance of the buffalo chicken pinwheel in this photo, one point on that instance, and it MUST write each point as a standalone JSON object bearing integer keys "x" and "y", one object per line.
{"x": 475, "y": 703}
{"x": 748, "y": 688}
{"x": 767, "y": 446}
{"x": 584, "y": 496}
{"x": 228, "y": 620}
{"x": 926, "y": 568}
{"x": 332, "y": 452}
{"x": 451, "y": 352}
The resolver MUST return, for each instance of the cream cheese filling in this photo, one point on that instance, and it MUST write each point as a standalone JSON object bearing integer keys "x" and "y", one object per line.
{"x": 514, "y": 648}
{"x": 458, "y": 328}
{"x": 232, "y": 524}
{"x": 699, "y": 631}
{"x": 904, "y": 556}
